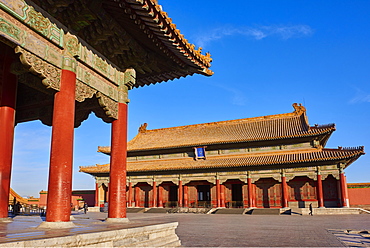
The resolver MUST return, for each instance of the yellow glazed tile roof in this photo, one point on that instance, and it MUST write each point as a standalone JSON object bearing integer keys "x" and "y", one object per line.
{"x": 358, "y": 185}
{"x": 159, "y": 28}
{"x": 272, "y": 127}
{"x": 287, "y": 157}
{"x": 20, "y": 199}
{"x": 134, "y": 34}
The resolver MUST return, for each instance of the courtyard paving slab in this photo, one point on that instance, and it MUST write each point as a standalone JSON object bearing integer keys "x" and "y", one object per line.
{"x": 202, "y": 230}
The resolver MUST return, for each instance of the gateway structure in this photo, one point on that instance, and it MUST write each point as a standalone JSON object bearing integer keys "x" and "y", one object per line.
{"x": 265, "y": 162}
{"x": 61, "y": 60}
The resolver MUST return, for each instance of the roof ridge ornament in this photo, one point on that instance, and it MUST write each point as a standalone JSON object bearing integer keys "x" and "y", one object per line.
{"x": 299, "y": 109}
{"x": 322, "y": 126}
{"x": 355, "y": 148}
{"x": 142, "y": 128}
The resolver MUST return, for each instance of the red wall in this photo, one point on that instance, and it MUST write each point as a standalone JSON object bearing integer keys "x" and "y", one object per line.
{"x": 43, "y": 198}
{"x": 359, "y": 196}
{"x": 87, "y": 195}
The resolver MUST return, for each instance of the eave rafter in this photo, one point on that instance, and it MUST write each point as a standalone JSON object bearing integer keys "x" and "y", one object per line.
{"x": 161, "y": 25}
{"x": 132, "y": 34}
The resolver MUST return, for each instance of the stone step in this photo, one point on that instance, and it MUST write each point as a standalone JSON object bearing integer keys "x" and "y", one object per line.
{"x": 333, "y": 211}
{"x": 135, "y": 210}
{"x": 168, "y": 240}
{"x": 266, "y": 211}
{"x": 157, "y": 210}
{"x": 229, "y": 211}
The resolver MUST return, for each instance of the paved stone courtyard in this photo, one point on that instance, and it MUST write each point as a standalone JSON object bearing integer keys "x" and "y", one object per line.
{"x": 267, "y": 230}
{"x": 223, "y": 230}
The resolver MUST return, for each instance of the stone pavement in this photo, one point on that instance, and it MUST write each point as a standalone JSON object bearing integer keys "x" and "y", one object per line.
{"x": 266, "y": 230}
{"x": 201, "y": 230}
{"x": 89, "y": 229}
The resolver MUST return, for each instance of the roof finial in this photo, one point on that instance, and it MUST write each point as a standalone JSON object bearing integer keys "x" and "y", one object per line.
{"x": 142, "y": 128}
{"x": 298, "y": 108}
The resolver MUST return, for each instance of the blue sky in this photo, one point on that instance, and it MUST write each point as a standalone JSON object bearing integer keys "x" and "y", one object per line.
{"x": 266, "y": 56}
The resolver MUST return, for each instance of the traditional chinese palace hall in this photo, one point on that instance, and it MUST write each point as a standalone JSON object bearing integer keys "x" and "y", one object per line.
{"x": 60, "y": 61}
{"x": 270, "y": 161}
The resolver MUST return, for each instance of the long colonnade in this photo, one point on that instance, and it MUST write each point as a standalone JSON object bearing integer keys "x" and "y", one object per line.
{"x": 250, "y": 193}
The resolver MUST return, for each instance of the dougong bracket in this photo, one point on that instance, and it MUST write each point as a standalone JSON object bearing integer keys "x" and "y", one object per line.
{"x": 110, "y": 107}
{"x": 50, "y": 74}
{"x": 128, "y": 82}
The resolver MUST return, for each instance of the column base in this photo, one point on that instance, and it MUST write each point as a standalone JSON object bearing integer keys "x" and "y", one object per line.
{"x": 117, "y": 220}
{"x": 7, "y": 219}
{"x": 56, "y": 225}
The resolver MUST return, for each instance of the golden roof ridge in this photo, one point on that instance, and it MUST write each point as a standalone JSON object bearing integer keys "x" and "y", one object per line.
{"x": 229, "y": 141}
{"x": 262, "y": 128}
{"x": 295, "y": 113}
{"x": 358, "y": 184}
{"x": 340, "y": 148}
{"x": 307, "y": 134}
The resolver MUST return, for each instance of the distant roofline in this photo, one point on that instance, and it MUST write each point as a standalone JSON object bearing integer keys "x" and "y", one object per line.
{"x": 358, "y": 185}
{"x": 298, "y": 110}
{"x": 106, "y": 149}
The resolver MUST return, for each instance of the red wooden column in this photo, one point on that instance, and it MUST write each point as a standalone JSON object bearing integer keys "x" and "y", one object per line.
{"x": 250, "y": 192}
{"x": 218, "y": 193}
{"x": 155, "y": 195}
{"x": 137, "y": 195}
{"x": 320, "y": 195}
{"x": 346, "y": 191}
{"x": 343, "y": 186}
{"x": 107, "y": 193}
{"x": 8, "y": 93}
{"x": 160, "y": 196}
{"x": 186, "y": 197}
{"x": 96, "y": 195}
{"x": 254, "y": 194}
{"x": 180, "y": 198}
{"x": 130, "y": 194}
{"x": 222, "y": 195}
{"x": 61, "y": 154}
{"x": 284, "y": 190}
{"x": 117, "y": 175}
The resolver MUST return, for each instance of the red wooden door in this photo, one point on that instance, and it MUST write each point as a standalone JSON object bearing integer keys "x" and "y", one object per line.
{"x": 268, "y": 193}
